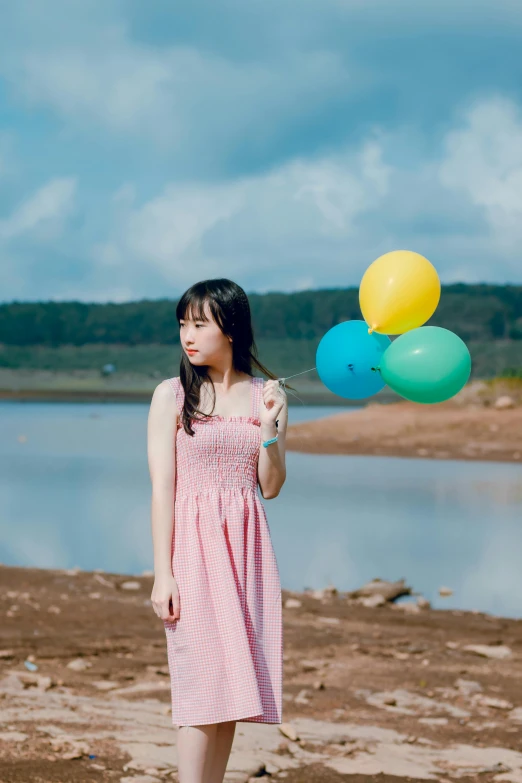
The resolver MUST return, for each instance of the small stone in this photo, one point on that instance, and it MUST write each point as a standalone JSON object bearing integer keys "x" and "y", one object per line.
{"x": 44, "y": 683}
{"x": 310, "y": 666}
{"x": 372, "y": 601}
{"x": 130, "y": 585}
{"x": 495, "y": 651}
{"x": 288, "y": 731}
{"x": 390, "y": 701}
{"x": 94, "y": 596}
{"x": 105, "y": 685}
{"x": 6, "y": 655}
{"x": 13, "y": 736}
{"x": 468, "y": 687}
{"x": 445, "y": 592}
{"x": 101, "y": 580}
{"x": 319, "y": 685}
{"x": 302, "y": 697}
{"x": 452, "y": 645}
{"x": 504, "y": 403}
{"x": 329, "y": 620}
{"x": 496, "y": 704}
{"x": 79, "y": 665}
{"x": 73, "y": 571}
{"x": 408, "y": 607}
{"x": 54, "y": 610}
{"x": 292, "y": 603}
{"x": 423, "y": 603}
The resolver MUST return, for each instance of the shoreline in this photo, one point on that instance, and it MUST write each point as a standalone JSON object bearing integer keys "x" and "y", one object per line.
{"x": 405, "y": 429}
{"x": 385, "y": 427}
{"x": 384, "y": 691}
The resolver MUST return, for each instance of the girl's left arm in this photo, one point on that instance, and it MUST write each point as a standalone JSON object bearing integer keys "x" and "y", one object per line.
{"x": 271, "y": 469}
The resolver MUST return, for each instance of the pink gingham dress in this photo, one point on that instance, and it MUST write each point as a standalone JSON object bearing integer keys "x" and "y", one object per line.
{"x": 225, "y": 652}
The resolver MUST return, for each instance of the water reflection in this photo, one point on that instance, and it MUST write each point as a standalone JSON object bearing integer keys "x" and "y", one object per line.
{"x": 76, "y": 491}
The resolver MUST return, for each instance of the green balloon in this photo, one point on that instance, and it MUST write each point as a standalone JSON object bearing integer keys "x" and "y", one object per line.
{"x": 426, "y": 365}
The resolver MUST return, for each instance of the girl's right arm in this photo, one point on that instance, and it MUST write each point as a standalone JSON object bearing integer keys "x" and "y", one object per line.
{"x": 161, "y": 439}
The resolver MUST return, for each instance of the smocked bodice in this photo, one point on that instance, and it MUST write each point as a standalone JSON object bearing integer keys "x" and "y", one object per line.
{"x": 222, "y": 454}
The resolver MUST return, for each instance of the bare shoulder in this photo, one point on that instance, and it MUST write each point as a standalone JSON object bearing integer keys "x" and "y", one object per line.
{"x": 164, "y": 398}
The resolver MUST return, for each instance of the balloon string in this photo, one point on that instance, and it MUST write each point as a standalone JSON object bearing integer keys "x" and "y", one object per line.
{"x": 297, "y": 373}
{"x": 282, "y": 382}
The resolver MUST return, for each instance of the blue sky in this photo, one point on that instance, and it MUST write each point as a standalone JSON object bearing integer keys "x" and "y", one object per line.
{"x": 286, "y": 145}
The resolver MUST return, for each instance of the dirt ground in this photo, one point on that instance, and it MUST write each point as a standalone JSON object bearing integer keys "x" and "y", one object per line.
{"x": 405, "y": 429}
{"x": 392, "y": 693}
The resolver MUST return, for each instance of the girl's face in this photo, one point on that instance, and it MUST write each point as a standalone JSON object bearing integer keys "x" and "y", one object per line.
{"x": 203, "y": 341}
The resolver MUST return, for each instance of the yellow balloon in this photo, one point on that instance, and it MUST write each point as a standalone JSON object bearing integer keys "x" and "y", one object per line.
{"x": 399, "y": 291}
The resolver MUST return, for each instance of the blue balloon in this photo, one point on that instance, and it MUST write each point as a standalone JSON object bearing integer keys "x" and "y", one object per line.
{"x": 346, "y": 359}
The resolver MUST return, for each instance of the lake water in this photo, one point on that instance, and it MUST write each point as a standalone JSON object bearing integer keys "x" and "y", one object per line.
{"x": 75, "y": 491}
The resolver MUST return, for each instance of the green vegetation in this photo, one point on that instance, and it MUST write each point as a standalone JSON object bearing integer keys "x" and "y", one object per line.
{"x": 143, "y": 337}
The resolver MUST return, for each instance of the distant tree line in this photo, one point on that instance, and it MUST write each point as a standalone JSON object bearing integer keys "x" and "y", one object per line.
{"x": 475, "y": 312}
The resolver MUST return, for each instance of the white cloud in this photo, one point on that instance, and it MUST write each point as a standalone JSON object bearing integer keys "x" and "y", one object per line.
{"x": 252, "y": 222}
{"x": 49, "y": 204}
{"x": 176, "y": 95}
{"x": 484, "y": 161}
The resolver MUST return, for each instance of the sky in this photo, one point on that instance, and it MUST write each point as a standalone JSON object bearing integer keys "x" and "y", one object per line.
{"x": 285, "y": 145}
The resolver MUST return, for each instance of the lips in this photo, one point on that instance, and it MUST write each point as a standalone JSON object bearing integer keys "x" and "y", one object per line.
{"x": 191, "y": 350}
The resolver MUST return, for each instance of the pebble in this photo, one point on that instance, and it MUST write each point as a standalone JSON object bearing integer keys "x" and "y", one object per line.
{"x": 292, "y": 603}
{"x": 288, "y": 731}
{"x": 130, "y": 585}
{"x": 101, "y": 580}
{"x": 445, "y": 592}
{"x": 310, "y": 666}
{"x": 79, "y": 665}
{"x": 495, "y": 651}
{"x": 504, "y": 403}
{"x": 496, "y": 704}
{"x": 372, "y": 601}
{"x": 468, "y": 686}
{"x": 302, "y": 697}
{"x": 105, "y": 685}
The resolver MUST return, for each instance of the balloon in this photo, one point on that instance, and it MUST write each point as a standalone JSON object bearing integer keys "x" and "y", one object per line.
{"x": 398, "y": 292}
{"x": 429, "y": 364}
{"x": 345, "y": 358}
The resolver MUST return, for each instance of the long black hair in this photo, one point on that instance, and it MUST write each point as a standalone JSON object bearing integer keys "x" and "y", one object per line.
{"x": 230, "y": 309}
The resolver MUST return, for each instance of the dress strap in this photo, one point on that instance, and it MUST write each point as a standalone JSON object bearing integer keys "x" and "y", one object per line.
{"x": 177, "y": 388}
{"x": 257, "y": 396}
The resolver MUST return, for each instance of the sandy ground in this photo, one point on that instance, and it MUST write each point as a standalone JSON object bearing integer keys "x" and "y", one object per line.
{"x": 404, "y": 429}
{"x": 385, "y": 694}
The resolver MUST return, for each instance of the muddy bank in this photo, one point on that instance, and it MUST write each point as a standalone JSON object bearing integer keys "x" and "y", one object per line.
{"x": 404, "y": 429}
{"x": 385, "y": 693}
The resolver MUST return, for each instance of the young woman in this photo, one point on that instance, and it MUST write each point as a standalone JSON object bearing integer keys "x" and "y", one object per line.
{"x": 215, "y": 434}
